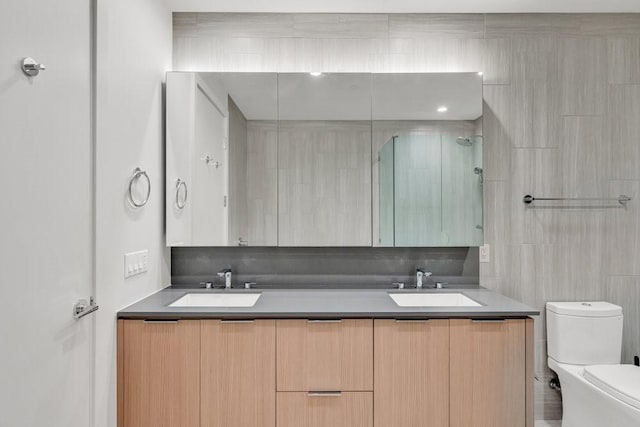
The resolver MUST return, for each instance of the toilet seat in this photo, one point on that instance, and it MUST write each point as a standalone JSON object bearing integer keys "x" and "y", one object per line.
{"x": 620, "y": 381}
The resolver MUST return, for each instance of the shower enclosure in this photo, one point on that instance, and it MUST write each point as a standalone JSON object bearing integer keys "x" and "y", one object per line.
{"x": 430, "y": 190}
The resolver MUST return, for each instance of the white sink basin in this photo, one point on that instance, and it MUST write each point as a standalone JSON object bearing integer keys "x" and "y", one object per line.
{"x": 216, "y": 300}
{"x": 433, "y": 300}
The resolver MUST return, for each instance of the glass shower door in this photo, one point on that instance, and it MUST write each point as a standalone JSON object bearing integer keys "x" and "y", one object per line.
{"x": 462, "y": 187}
{"x": 418, "y": 190}
{"x": 430, "y": 190}
{"x": 386, "y": 205}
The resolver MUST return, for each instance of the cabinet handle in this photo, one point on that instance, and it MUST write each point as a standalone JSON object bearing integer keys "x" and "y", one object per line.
{"x": 324, "y": 320}
{"x": 412, "y": 320}
{"x": 488, "y": 320}
{"x": 160, "y": 321}
{"x": 237, "y": 321}
{"x": 324, "y": 394}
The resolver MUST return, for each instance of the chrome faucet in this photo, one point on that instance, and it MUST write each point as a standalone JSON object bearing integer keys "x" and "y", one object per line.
{"x": 420, "y": 275}
{"x": 226, "y": 273}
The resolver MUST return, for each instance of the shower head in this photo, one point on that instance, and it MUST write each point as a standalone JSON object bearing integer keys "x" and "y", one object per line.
{"x": 468, "y": 141}
{"x": 465, "y": 141}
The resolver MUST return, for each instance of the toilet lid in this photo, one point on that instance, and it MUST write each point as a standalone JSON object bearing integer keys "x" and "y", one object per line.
{"x": 620, "y": 381}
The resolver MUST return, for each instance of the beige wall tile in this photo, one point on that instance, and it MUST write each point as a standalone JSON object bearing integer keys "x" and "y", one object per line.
{"x": 436, "y": 25}
{"x": 624, "y": 60}
{"x": 529, "y": 276}
{"x": 625, "y": 291}
{"x": 497, "y": 227}
{"x": 623, "y": 131}
{"x": 184, "y": 24}
{"x": 497, "y": 61}
{"x": 331, "y": 25}
{"x": 584, "y": 155}
{"x": 583, "y": 76}
{"x": 623, "y": 245}
{"x": 531, "y": 25}
{"x": 535, "y": 93}
{"x": 497, "y": 131}
{"x": 257, "y": 25}
{"x": 609, "y": 24}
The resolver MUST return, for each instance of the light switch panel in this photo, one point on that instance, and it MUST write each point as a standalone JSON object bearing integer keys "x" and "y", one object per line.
{"x": 485, "y": 253}
{"x": 136, "y": 263}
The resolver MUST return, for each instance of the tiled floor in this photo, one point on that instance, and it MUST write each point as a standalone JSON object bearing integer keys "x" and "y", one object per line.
{"x": 547, "y": 423}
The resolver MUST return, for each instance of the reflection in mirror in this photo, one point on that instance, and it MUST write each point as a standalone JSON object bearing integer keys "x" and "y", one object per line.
{"x": 427, "y": 133}
{"x": 324, "y": 157}
{"x": 344, "y": 159}
{"x": 222, "y": 144}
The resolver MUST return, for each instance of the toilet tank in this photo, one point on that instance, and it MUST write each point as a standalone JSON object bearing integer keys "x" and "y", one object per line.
{"x": 584, "y": 333}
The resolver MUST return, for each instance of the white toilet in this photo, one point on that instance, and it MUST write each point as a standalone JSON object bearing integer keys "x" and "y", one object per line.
{"x": 584, "y": 341}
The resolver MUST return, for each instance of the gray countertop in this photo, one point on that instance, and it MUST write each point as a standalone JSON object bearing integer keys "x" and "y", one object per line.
{"x": 326, "y": 303}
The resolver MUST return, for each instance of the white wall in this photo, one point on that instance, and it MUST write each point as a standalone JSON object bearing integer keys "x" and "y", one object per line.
{"x": 133, "y": 54}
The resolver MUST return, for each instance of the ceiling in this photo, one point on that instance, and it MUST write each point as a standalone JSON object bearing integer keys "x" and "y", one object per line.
{"x": 405, "y": 6}
{"x": 351, "y": 96}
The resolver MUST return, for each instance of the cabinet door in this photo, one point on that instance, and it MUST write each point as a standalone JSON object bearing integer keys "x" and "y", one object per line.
{"x": 238, "y": 373}
{"x": 488, "y": 373}
{"x": 411, "y": 373}
{"x": 324, "y": 177}
{"x": 299, "y": 409}
{"x": 335, "y": 355}
{"x": 161, "y": 373}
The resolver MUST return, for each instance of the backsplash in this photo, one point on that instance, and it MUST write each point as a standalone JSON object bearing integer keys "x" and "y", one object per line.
{"x": 331, "y": 267}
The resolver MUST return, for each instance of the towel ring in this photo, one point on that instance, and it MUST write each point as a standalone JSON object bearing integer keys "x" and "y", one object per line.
{"x": 137, "y": 174}
{"x": 181, "y": 184}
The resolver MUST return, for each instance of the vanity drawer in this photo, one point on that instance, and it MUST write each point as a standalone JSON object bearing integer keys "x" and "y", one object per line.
{"x": 325, "y": 355}
{"x": 346, "y": 409}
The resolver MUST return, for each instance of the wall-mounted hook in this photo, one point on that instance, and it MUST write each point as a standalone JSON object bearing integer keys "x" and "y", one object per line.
{"x": 32, "y": 68}
{"x": 209, "y": 160}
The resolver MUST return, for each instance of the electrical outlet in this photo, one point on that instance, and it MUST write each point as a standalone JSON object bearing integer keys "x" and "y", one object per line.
{"x": 136, "y": 263}
{"x": 485, "y": 253}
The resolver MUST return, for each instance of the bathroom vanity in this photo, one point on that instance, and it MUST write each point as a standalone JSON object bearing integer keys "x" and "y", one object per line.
{"x": 338, "y": 160}
{"x": 326, "y": 357}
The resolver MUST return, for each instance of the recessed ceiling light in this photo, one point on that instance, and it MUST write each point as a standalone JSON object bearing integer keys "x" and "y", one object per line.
{"x": 315, "y": 73}
{"x": 442, "y": 109}
{"x": 480, "y": 73}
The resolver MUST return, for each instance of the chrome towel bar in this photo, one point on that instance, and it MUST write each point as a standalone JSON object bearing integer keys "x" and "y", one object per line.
{"x": 621, "y": 199}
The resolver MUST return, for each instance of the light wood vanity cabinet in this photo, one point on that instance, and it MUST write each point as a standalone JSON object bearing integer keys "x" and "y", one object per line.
{"x": 325, "y": 355}
{"x": 488, "y": 373}
{"x": 159, "y": 373}
{"x": 412, "y": 373}
{"x": 346, "y": 409}
{"x": 325, "y": 373}
{"x": 458, "y": 373}
{"x": 300, "y": 373}
{"x": 238, "y": 382}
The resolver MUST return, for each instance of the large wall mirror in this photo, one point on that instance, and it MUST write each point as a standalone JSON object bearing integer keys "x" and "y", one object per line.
{"x": 309, "y": 159}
